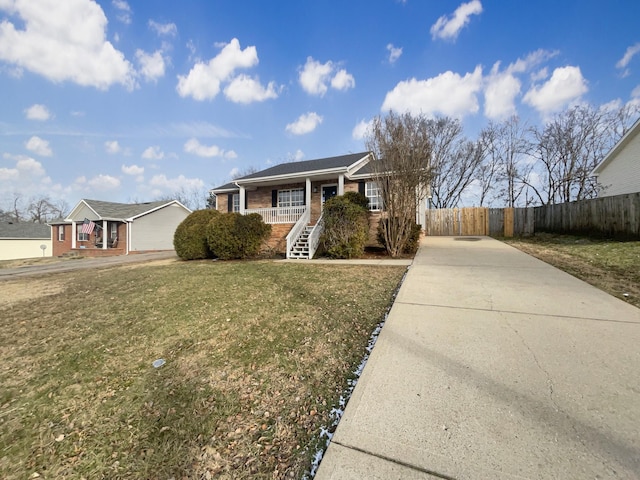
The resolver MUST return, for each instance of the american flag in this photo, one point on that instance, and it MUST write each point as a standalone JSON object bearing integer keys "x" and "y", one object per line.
{"x": 88, "y": 226}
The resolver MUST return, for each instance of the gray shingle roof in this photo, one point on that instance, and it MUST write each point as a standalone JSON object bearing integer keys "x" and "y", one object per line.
{"x": 24, "y": 230}
{"x": 305, "y": 166}
{"x": 122, "y": 210}
{"x": 342, "y": 161}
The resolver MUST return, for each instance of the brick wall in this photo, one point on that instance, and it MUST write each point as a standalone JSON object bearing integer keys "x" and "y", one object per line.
{"x": 88, "y": 248}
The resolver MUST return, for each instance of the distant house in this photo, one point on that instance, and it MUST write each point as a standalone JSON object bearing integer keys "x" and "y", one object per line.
{"x": 290, "y": 197}
{"x": 24, "y": 240}
{"x": 619, "y": 172}
{"x": 96, "y": 228}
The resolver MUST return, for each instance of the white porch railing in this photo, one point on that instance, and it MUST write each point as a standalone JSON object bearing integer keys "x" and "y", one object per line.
{"x": 278, "y": 214}
{"x": 314, "y": 236}
{"x": 297, "y": 229}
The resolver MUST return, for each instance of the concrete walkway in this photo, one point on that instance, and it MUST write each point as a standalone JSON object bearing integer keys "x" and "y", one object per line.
{"x": 494, "y": 365}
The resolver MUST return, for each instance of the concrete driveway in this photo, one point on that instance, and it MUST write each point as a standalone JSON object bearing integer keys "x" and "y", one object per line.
{"x": 495, "y": 365}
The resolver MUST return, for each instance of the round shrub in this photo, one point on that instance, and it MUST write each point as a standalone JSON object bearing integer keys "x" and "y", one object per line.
{"x": 357, "y": 198}
{"x": 190, "y": 237}
{"x": 232, "y": 235}
{"x": 346, "y": 228}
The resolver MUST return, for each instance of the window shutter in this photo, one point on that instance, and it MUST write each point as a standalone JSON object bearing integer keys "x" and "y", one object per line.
{"x": 304, "y": 195}
{"x": 230, "y": 202}
{"x": 246, "y": 199}
{"x": 274, "y": 198}
{"x": 361, "y": 188}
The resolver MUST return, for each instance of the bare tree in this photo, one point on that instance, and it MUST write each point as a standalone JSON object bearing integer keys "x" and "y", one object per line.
{"x": 193, "y": 198}
{"x": 246, "y": 171}
{"x": 454, "y": 160}
{"x": 567, "y": 149}
{"x": 401, "y": 170}
{"x": 505, "y": 162}
{"x": 40, "y": 209}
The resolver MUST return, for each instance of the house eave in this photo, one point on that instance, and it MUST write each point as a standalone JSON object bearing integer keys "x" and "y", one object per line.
{"x": 633, "y": 131}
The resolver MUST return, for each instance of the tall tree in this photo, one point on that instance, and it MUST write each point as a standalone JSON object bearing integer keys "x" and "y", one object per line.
{"x": 566, "y": 150}
{"x": 454, "y": 160}
{"x": 402, "y": 147}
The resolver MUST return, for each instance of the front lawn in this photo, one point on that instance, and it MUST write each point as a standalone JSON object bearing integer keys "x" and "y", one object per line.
{"x": 257, "y": 354}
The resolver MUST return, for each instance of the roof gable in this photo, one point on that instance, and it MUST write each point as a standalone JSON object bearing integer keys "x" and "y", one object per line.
{"x": 622, "y": 143}
{"x": 115, "y": 211}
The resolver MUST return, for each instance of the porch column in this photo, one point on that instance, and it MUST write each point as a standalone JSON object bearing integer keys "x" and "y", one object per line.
{"x": 307, "y": 193}
{"x": 341, "y": 184}
{"x": 242, "y": 199}
{"x": 74, "y": 236}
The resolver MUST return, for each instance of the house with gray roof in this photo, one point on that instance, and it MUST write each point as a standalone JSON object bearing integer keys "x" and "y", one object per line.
{"x": 24, "y": 240}
{"x": 290, "y": 197}
{"x": 98, "y": 228}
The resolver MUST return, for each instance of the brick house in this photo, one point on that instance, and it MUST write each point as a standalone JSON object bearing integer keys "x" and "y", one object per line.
{"x": 117, "y": 228}
{"x": 290, "y": 196}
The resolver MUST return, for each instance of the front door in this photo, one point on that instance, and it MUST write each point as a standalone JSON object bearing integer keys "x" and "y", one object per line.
{"x": 329, "y": 191}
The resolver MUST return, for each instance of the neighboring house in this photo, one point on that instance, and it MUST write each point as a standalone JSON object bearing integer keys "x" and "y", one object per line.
{"x": 96, "y": 228}
{"x": 290, "y": 196}
{"x": 24, "y": 240}
{"x": 619, "y": 172}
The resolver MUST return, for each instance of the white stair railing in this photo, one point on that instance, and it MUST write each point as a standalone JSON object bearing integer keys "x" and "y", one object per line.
{"x": 314, "y": 236}
{"x": 297, "y": 229}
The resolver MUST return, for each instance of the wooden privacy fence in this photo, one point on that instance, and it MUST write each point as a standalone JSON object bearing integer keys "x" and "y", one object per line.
{"x": 479, "y": 221}
{"x": 615, "y": 216}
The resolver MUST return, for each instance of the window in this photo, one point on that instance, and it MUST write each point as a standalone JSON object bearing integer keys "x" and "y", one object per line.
{"x": 82, "y": 237}
{"x": 236, "y": 202}
{"x": 61, "y": 233}
{"x": 114, "y": 231}
{"x": 372, "y": 192}
{"x": 291, "y": 198}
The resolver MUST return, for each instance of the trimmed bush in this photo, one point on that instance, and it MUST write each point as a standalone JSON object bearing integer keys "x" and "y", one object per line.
{"x": 190, "y": 237}
{"x": 346, "y": 228}
{"x": 232, "y": 235}
{"x": 357, "y": 198}
{"x": 413, "y": 240}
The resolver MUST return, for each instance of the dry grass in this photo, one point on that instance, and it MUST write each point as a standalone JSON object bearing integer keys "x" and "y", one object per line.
{"x": 257, "y": 354}
{"x": 612, "y": 266}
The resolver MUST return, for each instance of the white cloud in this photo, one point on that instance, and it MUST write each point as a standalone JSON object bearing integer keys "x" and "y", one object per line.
{"x": 153, "y": 153}
{"x": 628, "y": 55}
{"x": 499, "y": 96}
{"x": 63, "y": 41}
{"x": 244, "y": 89}
{"x": 194, "y": 147}
{"x": 151, "y": 64}
{"x": 124, "y": 10}
{"x": 315, "y": 77}
{"x": 132, "y": 170}
{"x": 165, "y": 29}
{"x": 204, "y": 79}
{"x": 343, "y": 80}
{"x": 565, "y": 85}
{"x": 449, "y": 27}
{"x": 304, "y": 124}
{"x": 361, "y": 129}
{"x": 299, "y": 155}
{"x": 38, "y": 112}
{"x": 112, "y": 147}
{"x": 394, "y": 53}
{"x": 103, "y": 183}
{"x": 25, "y": 168}
{"x": 448, "y": 94}
{"x": 163, "y": 184}
{"x": 39, "y": 146}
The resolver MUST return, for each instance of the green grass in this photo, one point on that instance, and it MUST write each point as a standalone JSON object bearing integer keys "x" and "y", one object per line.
{"x": 611, "y": 265}
{"x": 257, "y": 354}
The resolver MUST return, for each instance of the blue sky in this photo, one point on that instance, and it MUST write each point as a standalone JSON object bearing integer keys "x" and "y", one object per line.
{"x": 132, "y": 100}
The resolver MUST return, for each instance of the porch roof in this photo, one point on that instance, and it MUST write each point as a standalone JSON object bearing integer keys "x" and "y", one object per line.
{"x": 350, "y": 165}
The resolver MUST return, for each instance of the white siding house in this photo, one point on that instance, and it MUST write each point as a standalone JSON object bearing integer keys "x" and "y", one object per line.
{"x": 619, "y": 172}
{"x": 24, "y": 240}
{"x": 154, "y": 230}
